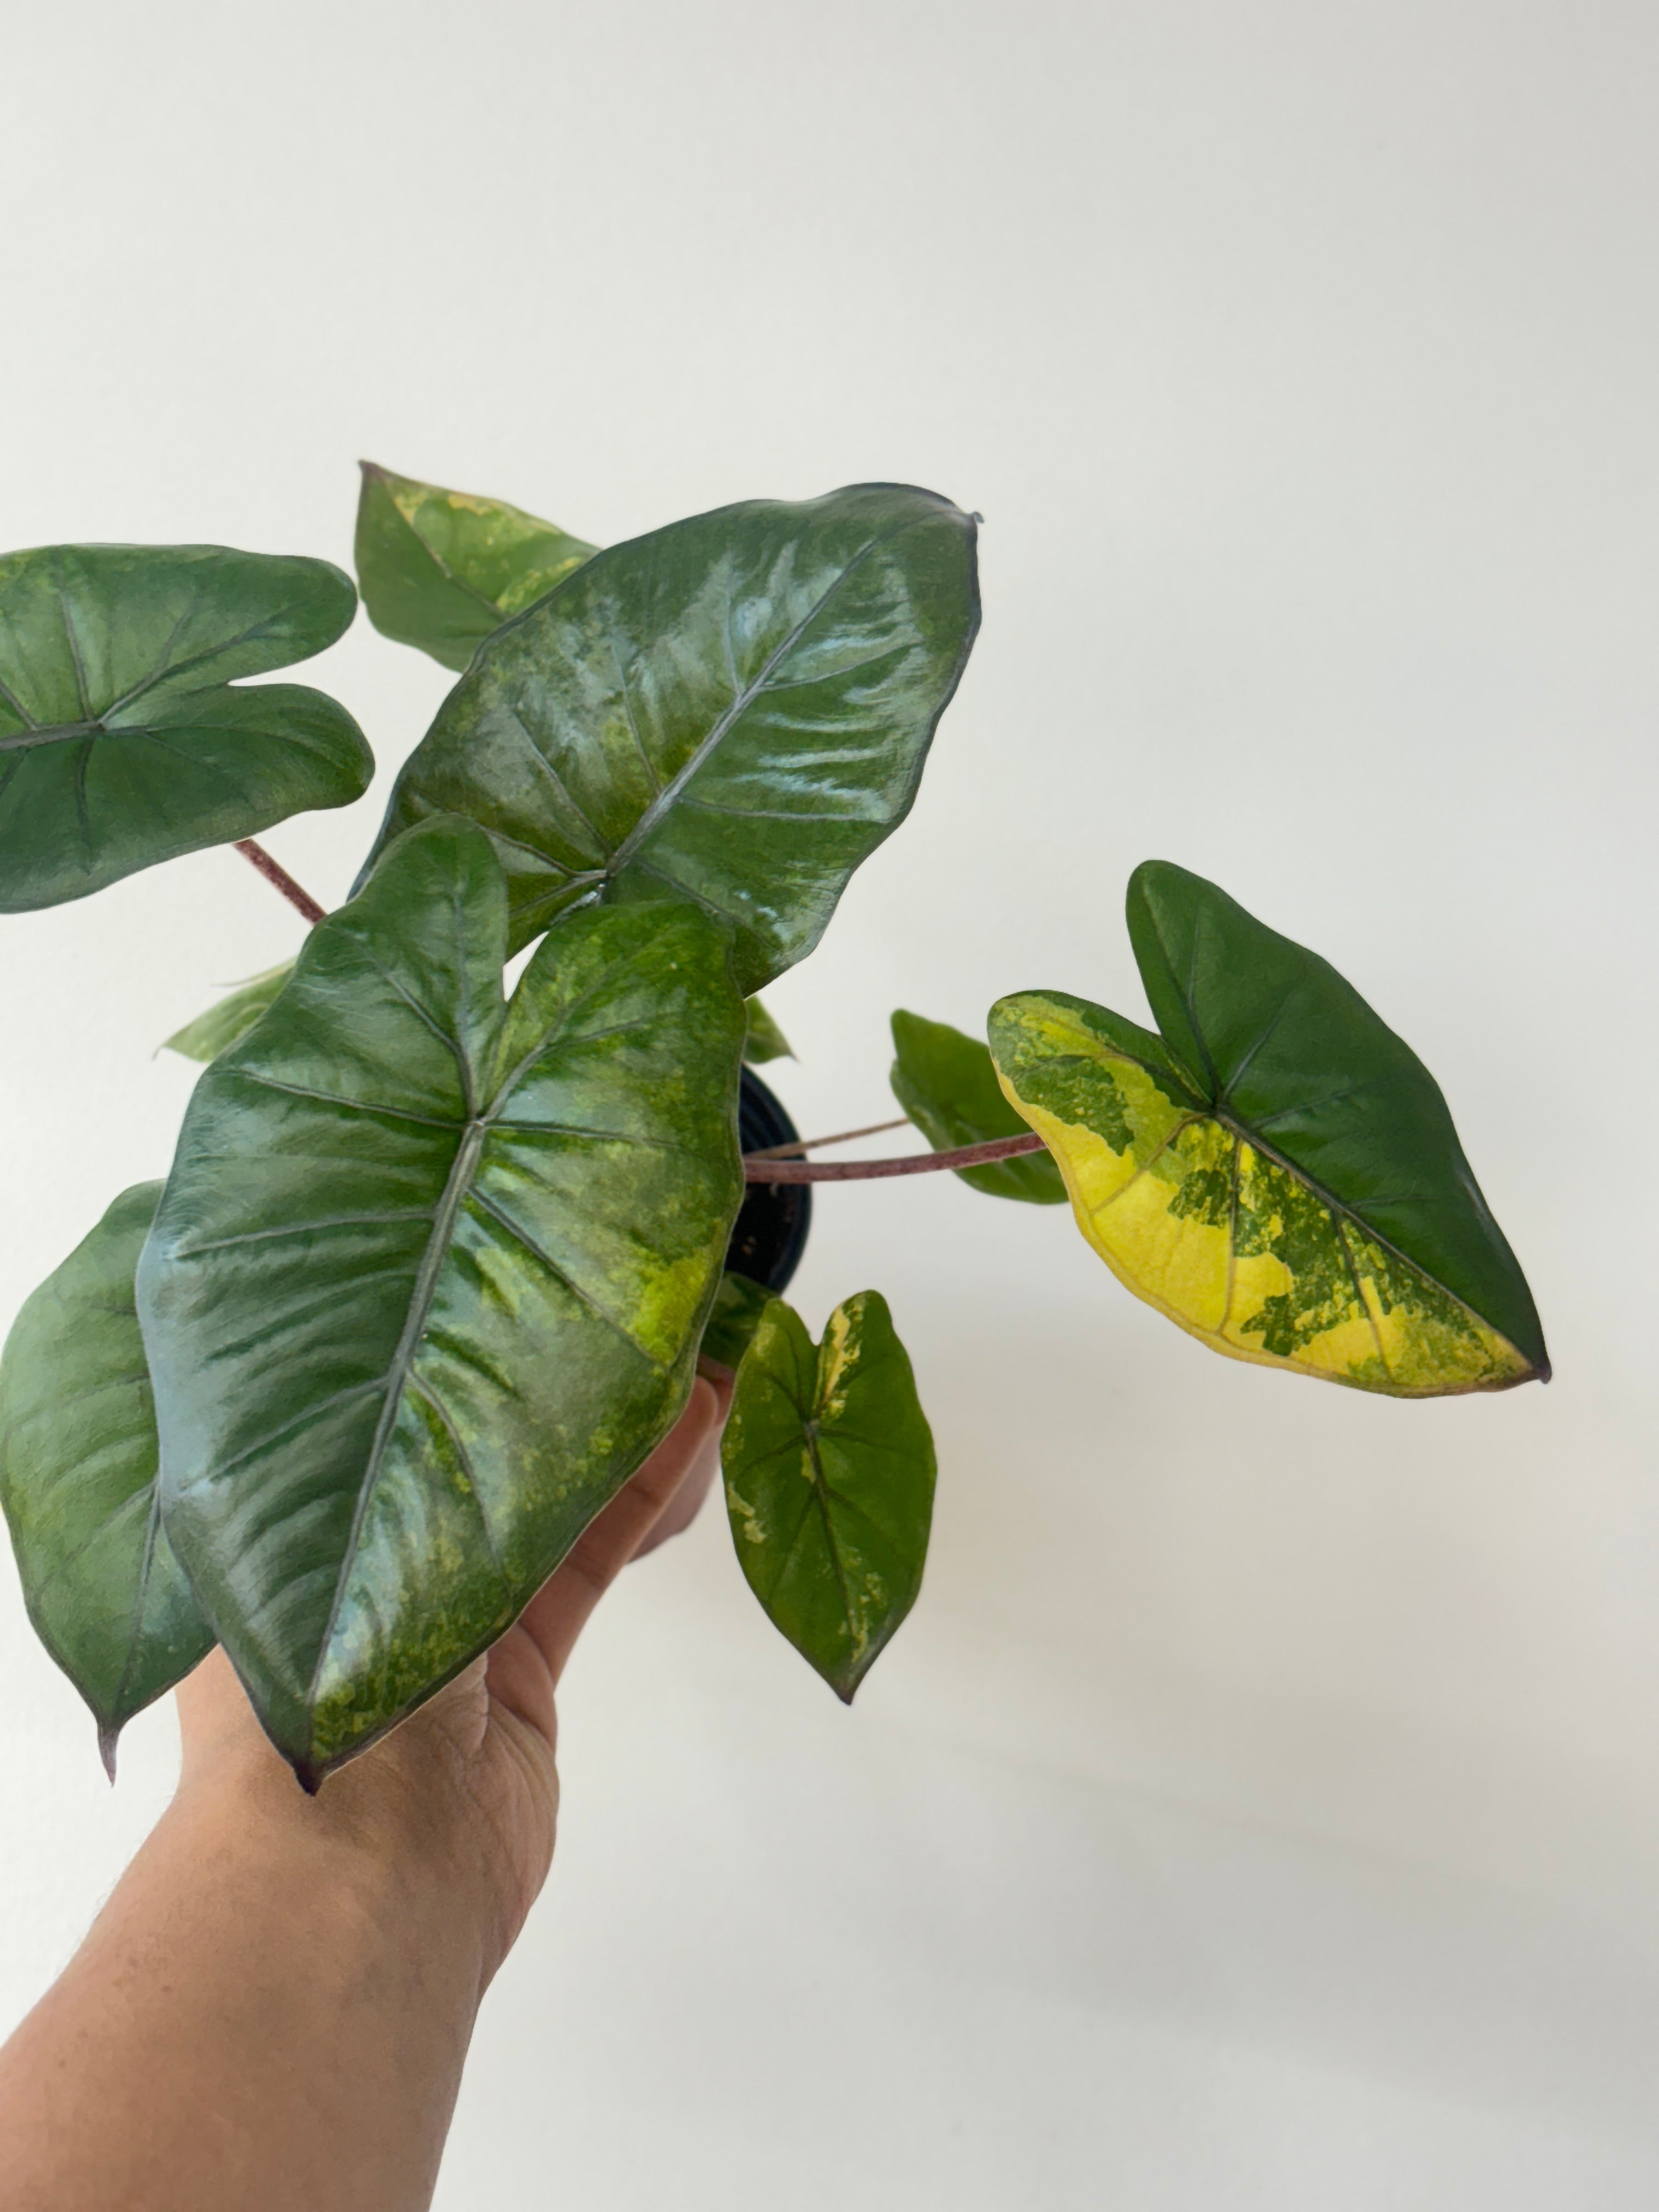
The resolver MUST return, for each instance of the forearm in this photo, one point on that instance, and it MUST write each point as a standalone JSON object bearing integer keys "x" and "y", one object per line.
{"x": 271, "y": 2014}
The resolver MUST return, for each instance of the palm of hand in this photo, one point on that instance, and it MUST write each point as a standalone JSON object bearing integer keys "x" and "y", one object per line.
{"x": 471, "y": 1779}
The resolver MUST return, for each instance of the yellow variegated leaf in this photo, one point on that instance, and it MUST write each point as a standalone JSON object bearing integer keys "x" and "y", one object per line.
{"x": 1277, "y": 1172}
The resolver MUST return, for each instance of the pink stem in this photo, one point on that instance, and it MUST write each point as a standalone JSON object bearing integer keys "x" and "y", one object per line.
{"x": 275, "y": 872}
{"x": 755, "y": 1169}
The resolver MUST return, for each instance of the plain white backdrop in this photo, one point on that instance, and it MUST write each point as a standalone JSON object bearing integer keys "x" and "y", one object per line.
{"x": 1262, "y": 1806}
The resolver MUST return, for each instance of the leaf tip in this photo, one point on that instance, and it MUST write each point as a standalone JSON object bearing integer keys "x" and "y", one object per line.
{"x": 109, "y": 1734}
{"x": 308, "y": 1775}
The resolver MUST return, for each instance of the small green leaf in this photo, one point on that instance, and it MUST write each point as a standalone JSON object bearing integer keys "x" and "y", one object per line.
{"x": 829, "y": 1467}
{"x": 946, "y": 1084}
{"x": 734, "y": 710}
{"x": 78, "y": 1480}
{"x": 124, "y": 738}
{"x": 230, "y": 1020}
{"x": 429, "y": 1276}
{"x": 440, "y": 570}
{"x": 1277, "y": 1172}
{"x": 738, "y": 1304}
{"x": 765, "y": 1040}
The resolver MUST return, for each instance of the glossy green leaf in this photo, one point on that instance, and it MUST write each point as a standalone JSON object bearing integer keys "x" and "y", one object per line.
{"x": 735, "y": 709}
{"x": 946, "y": 1084}
{"x": 429, "y": 1276}
{"x": 828, "y": 1464}
{"x": 738, "y": 1305}
{"x": 224, "y": 1024}
{"x": 78, "y": 1480}
{"x": 765, "y": 1040}
{"x": 1277, "y": 1172}
{"x": 124, "y": 739}
{"x": 441, "y": 569}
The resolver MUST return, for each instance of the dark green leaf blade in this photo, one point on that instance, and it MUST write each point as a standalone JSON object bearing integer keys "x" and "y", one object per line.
{"x": 1279, "y": 1173}
{"x": 441, "y": 569}
{"x": 227, "y": 1023}
{"x": 78, "y": 1480}
{"x": 121, "y": 740}
{"x": 765, "y": 1040}
{"x": 946, "y": 1084}
{"x": 735, "y": 710}
{"x": 829, "y": 1471}
{"x": 429, "y": 1276}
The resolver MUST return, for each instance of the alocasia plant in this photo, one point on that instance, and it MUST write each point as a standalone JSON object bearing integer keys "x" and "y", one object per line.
{"x": 435, "y": 1266}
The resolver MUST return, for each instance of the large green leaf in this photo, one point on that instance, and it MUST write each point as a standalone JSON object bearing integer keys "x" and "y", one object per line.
{"x": 735, "y": 709}
{"x": 123, "y": 737}
{"x": 440, "y": 570}
{"x": 1278, "y": 1171}
{"x": 429, "y": 1275}
{"x": 230, "y": 1018}
{"x": 829, "y": 1467}
{"x": 78, "y": 1480}
{"x": 946, "y": 1083}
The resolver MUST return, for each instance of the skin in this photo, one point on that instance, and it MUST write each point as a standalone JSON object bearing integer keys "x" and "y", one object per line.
{"x": 273, "y": 2010}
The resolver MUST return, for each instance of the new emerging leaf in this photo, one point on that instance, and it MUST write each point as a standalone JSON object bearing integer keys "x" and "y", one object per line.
{"x": 228, "y": 1022}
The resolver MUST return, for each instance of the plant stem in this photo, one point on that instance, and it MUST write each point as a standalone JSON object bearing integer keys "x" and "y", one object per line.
{"x": 817, "y": 1144}
{"x": 758, "y": 1168}
{"x": 274, "y": 872}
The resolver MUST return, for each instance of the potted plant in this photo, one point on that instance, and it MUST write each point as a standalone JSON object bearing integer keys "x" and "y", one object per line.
{"x": 434, "y": 1266}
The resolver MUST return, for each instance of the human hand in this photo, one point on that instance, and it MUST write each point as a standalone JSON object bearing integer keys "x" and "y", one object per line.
{"x": 465, "y": 1789}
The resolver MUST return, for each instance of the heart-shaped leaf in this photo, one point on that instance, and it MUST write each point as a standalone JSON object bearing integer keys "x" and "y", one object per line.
{"x": 429, "y": 1275}
{"x": 765, "y": 1040}
{"x": 440, "y": 570}
{"x": 78, "y": 1480}
{"x": 1277, "y": 1172}
{"x": 829, "y": 1467}
{"x": 946, "y": 1083}
{"x": 223, "y": 1024}
{"x": 735, "y": 709}
{"x": 124, "y": 739}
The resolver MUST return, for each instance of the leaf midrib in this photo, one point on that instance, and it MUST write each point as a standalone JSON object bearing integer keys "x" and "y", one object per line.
{"x": 742, "y": 700}
{"x": 1339, "y": 1209}
{"x": 462, "y": 1170}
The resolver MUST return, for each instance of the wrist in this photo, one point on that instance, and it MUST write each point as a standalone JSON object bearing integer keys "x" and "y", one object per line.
{"x": 371, "y": 1867}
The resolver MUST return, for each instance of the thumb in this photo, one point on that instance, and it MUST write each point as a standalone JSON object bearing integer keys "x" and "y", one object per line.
{"x": 560, "y": 1610}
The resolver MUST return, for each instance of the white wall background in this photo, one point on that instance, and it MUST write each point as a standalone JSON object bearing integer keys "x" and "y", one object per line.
{"x": 1262, "y": 1807}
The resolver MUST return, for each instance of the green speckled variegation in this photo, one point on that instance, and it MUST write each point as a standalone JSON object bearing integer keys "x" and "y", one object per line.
{"x": 78, "y": 1480}
{"x": 829, "y": 1467}
{"x": 429, "y": 1276}
{"x": 1277, "y": 1171}
{"x": 734, "y": 710}
{"x": 125, "y": 738}
{"x": 441, "y": 569}
{"x": 228, "y": 1022}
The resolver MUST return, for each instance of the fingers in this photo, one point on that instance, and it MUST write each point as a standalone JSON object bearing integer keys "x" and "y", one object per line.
{"x": 682, "y": 1509}
{"x": 557, "y": 1615}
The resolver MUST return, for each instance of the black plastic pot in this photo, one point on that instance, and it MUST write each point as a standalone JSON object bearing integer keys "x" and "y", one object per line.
{"x": 770, "y": 1232}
